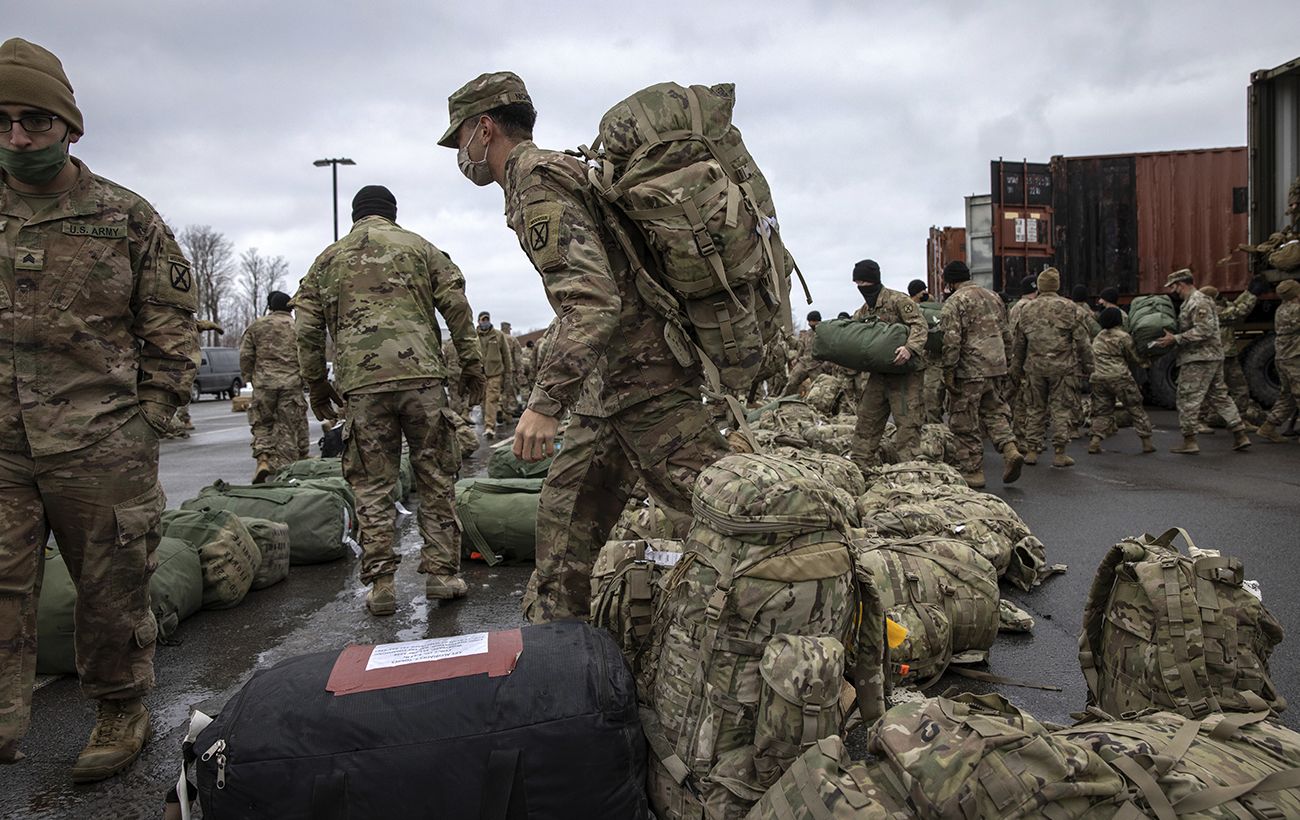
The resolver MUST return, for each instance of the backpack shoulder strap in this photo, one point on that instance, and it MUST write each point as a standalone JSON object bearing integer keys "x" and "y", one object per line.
{"x": 1094, "y": 612}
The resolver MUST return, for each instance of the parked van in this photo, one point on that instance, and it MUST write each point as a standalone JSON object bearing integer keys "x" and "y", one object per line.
{"x": 218, "y": 373}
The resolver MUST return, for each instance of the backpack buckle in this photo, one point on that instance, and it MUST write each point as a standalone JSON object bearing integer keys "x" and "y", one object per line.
{"x": 704, "y": 241}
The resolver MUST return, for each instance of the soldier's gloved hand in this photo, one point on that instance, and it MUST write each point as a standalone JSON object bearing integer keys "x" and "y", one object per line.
{"x": 157, "y": 415}
{"x": 1258, "y": 286}
{"x": 473, "y": 385}
{"x": 323, "y": 398}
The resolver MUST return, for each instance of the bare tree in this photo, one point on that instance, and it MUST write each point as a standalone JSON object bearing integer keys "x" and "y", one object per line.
{"x": 258, "y": 276}
{"x": 211, "y": 256}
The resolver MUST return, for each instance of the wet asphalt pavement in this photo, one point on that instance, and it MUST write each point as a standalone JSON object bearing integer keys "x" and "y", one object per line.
{"x": 1244, "y": 504}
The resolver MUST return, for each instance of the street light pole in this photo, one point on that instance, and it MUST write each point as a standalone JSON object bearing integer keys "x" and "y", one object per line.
{"x": 334, "y": 165}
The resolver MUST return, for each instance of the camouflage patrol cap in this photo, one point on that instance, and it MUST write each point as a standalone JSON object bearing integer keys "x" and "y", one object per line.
{"x": 1210, "y": 291}
{"x": 1289, "y": 289}
{"x": 480, "y": 95}
{"x": 1183, "y": 275}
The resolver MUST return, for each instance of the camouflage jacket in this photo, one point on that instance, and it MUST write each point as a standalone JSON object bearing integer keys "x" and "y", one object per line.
{"x": 896, "y": 308}
{"x": 1088, "y": 319}
{"x": 588, "y": 403}
{"x": 975, "y": 334}
{"x": 1050, "y": 338}
{"x": 97, "y": 309}
{"x": 375, "y": 291}
{"x": 1286, "y": 329}
{"x": 1113, "y": 354}
{"x": 496, "y": 352}
{"x": 516, "y": 357}
{"x": 451, "y": 360}
{"x": 1231, "y": 314}
{"x": 1198, "y": 330}
{"x": 268, "y": 353}
{"x": 602, "y": 322}
{"x": 1013, "y": 315}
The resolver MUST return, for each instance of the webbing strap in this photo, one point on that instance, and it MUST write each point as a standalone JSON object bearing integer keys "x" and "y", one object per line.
{"x": 329, "y": 797}
{"x": 643, "y": 125}
{"x": 1233, "y": 723}
{"x": 1178, "y": 633}
{"x": 1146, "y": 784}
{"x": 1218, "y": 795}
{"x": 697, "y": 115}
{"x": 1164, "y": 761}
{"x": 807, "y": 785}
{"x": 503, "y": 787}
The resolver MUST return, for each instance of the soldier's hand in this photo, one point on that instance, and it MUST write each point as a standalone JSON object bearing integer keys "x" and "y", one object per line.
{"x": 902, "y": 355}
{"x": 535, "y": 436}
{"x": 473, "y": 385}
{"x": 1166, "y": 340}
{"x": 158, "y": 416}
{"x": 323, "y": 399}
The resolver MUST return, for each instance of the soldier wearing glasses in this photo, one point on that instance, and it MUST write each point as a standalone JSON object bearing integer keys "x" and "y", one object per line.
{"x": 98, "y": 347}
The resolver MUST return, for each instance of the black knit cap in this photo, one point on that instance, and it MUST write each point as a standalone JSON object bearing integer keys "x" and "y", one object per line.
{"x": 1110, "y": 317}
{"x": 866, "y": 271}
{"x": 1079, "y": 293}
{"x": 1029, "y": 284}
{"x": 814, "y": 315}
{"x": 956, "y": 271}
{"x": 374, "y": 200}
{"x": 1109, "y": 295}
{"x": 277, "y": 300}
{"x": 916, "y": 286}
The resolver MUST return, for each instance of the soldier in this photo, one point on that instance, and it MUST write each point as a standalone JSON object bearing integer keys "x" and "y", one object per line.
{"x": 388, "y": 366}
{"x": 99, "y": 348}
{"x": 1286, "y": 343}
{"x": 1049, "y": 348}
{"x": 655, "y": 422}
{"x": 884, "y": 393}
{"x": 1018, "y": 391}
{"x": 268, "y": 360}
{"x": 1200, "y": 365}
{"x": 773, "y": 369}
{"x": 516, "y": 380}
{"x": 1230, "y": 315}
{"x": 805, "y": 366}
{"x": 1112, "y": 380}
{"x": 496, "y": 364}
{"x": 975, "y": 343}
{"x": 530, "y": 364}
{"x": 932, "y": 380}
{"x": 1109, "y": 297}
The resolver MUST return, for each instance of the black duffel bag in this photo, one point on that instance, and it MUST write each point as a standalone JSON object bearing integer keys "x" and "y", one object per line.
{"x": 557, "y": 738}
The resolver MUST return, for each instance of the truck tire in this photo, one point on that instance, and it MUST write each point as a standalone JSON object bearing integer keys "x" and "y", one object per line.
{"x": 1162, "y": 381}
{"x": 1261, "y": 372}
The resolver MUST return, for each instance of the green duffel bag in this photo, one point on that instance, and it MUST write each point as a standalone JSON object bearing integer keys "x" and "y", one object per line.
{"x": 865, "y": 345}
{"x": 227, "y": 552}
{"x": 55, "y": 651}
{"x": 499, "y": 517}
{"x": 313, "y": 469}
{"x": 176, "y": 587}
{"x": 1148, "y": 318}
{"x": 504, "y": 464}
{"x": 317, "y": 511}
{"x": 273, "y": 542}
{"x": 933, "y": 339}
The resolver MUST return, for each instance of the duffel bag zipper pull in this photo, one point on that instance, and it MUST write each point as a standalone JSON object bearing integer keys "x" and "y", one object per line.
{"x": 218, "y": 749}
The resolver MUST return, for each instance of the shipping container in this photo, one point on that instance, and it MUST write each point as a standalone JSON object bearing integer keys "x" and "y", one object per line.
{"x": 1273, "y": 129}
{"x": 979, "y": 239}
{"x": 1022, "y": 222}
{"x": 943, "y": 246}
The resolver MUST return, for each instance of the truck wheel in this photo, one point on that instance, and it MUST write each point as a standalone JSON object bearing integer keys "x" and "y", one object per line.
{"x": 195, "y": 393}
{"x": 1261, "y": 371}
{"x": 1162, "y": 381}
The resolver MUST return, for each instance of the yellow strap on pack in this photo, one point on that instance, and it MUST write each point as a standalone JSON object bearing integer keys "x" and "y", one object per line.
{"x": 895, "y": 633}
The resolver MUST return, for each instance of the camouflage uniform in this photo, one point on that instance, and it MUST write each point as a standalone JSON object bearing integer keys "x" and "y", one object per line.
{"x": 277, "y": 414}
{"x": 656, "y": 425}
{"x": 1286, "y": 343}
{"x": 451, "y": 360}
{"x": 899, "y": 393}
{"x": 975, "y": 343}
{"x": 497, "y": 365}
{"x": 1200, "y": 366}
{"x": 515, "y": 382}
{"x": 388, "y": 367}
{"x": 1082, "y": 404}
{"x": 97, "y": 326}
{"x": 1234, "y": 378}
{"x": 1049, "y": 348}
{"x": 1018, "y": 390}
{"x": 1113, "y": 357}
{"x": 805, "y": 366}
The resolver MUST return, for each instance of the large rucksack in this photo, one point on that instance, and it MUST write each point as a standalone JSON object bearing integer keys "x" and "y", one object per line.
{"x": 538, "y": 723}
{"x": 866, "y": 345}
{"x": 499, "y": 517}
{"x": 625, "y": 590}
{"x": 227, "y": 552}
{"x": 767, "y": 556}
{"x": 669, "y": 158}
{"x": 1167, "y": 631}
{"x": 321, "y": 521}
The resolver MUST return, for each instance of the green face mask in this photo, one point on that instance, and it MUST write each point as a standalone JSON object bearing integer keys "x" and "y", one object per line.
{"x": 35, "y": 167}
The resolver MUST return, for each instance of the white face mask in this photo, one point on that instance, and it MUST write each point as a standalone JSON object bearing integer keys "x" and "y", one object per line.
{"x": 476, "y": 171}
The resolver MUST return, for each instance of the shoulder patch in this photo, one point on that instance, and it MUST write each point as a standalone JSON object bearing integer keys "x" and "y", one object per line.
{"x": 541, "y": 235}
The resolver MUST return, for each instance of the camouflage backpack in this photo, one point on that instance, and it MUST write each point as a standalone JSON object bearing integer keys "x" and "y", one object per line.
{"x": 823, "y": 784}
{"x": 1225, "y": 766}
{"x": 828, "y": 394}
{"x": 767, "y": 557}
{"x": 837, "y": 470}
{"x": 669, "y": 158}
{"x": 905, "y": 473}
{"x": 1168, "y": 631}
{"x": 788, "y": 415}
{"x": 977, "y": 756}
{"x": 641, "y": 519}
{"x": 625, "y": 589}
{"x": 937, "y": 445}
{"x": 940, "y": 590}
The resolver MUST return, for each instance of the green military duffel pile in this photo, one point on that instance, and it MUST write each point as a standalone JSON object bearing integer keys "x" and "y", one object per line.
{"x": 503, "y": 463}
{"x": 320, "y": 513}
{"x": 1148, "y": 318}
{"x": 934, "y": 336}
{"x": 309, "y": 469}
{"x": 865, "y": 345}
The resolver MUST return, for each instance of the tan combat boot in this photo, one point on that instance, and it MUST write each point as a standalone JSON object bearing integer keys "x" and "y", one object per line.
{"x": 1189, "y": 447}
{"x": 263, "y": 471}
{"x": 975, "y": 480}
{"x": 381, "y": 600}
{"x": 1012, "y": 461}
{"x": 1031, "y": 457}
{"x": 120, "y": 732}
{"x": 1268, "y": 432}
{"x": 1061, "y": 459}
{"x": 1147, "y": 446}
{"x": 1240, "y": 440}
{"x": 1204, "y": 429}
{"x": 1094, "y": 446}
{"x": 445, "y": 587}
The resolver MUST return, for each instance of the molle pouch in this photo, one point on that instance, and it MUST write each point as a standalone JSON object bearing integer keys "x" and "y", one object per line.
{"x": 727, "y": 330}
{"x": 799, "y": 702}
{"x": 927, "y": 650}
{"x": 444, "y": 442}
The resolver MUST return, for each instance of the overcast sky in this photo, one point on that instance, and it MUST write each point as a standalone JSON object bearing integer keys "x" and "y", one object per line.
{"x": 872, "y": 121}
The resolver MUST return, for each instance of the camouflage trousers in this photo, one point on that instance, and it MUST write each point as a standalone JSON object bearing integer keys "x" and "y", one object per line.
{"x": 901, "y": 395}
{"x": 372, "y": 454}
{"x": 976, "y": 405}
{"x": 932, "y": 385}
{"x": 1054, "y": 397}
{"x": 103, "y": 504}
{"x": 803, "y": 370}
{"x": 1235, "y": 380}
{"x": 664, "y": 441}
{"x": 278, "y": 418}
{"x": 492, "y": 402}
{"x": 1125, "y": 392}
{"x": 1288, "y": 397}
{"x": 1200, "y": 383}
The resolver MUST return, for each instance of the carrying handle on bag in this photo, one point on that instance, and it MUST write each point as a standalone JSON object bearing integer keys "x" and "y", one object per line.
{"x": 1166, "y": 539}
{"x": 503, "y": 787}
